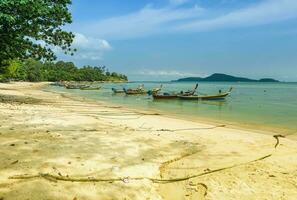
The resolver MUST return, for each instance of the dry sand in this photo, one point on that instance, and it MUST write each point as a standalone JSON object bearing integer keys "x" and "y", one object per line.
{"x": 57, "y": 146}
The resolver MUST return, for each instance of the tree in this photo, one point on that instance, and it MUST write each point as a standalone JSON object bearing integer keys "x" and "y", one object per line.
{"x": 29, "y": 28}
{"x": 34, "y": 70}
{"x": 10, "y": 70}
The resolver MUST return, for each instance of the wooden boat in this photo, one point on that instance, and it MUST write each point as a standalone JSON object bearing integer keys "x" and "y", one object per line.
{"x": 117, "y": 91}
{"x": 59, "y": 84}
{"x": 174, "y": 95}
{"x": 72, "y": 86}
{"x": 165, "y": 96}
{"x": 135, "y": 91}
{"x": 138, "y": 91}
{"x": 76, "y": 86}
{"x": 91, "y": 88}
{"x": 155, "y": 90}
{"x": 219, "y": 96}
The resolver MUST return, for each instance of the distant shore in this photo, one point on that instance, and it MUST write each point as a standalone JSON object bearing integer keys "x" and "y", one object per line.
{"x": 217, "y": 77}
{"x": 68, "y": 147}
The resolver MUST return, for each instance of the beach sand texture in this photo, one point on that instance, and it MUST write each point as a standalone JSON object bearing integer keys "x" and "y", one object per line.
{"x": 59, "y": 146}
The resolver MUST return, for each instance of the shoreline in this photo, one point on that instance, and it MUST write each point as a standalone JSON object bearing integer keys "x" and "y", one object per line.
{"x": 63, "y": 145}
{"x": 263, "y": 129}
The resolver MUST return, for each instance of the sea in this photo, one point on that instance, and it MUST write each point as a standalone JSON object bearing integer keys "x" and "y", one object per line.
{"x": 263, "y": 106}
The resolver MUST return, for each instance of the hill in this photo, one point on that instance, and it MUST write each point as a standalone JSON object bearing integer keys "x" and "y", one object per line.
{"x": 224, "y": 78}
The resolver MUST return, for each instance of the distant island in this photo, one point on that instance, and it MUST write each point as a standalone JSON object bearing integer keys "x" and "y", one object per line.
{"x": 223, "y": 78}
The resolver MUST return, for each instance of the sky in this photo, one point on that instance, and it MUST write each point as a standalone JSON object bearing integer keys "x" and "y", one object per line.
{"x": 170, "y": 39}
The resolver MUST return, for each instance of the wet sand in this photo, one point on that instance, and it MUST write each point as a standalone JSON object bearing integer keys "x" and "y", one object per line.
{"x": 60, "y": 146}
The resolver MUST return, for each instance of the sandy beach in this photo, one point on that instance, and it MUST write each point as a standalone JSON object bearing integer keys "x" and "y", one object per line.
{"x": 59, "y": 146}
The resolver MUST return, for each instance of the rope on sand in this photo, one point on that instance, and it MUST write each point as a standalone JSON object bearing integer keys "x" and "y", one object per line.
{"x": 190, "y": 129}
{"x": 277, "y": 139}
{"x": 137, "y": 115}
{"x": 56, "y": 178}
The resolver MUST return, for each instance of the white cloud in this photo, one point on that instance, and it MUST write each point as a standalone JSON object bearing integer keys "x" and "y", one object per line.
{"x": 83, "y": 42}
{"x": 167, "y": 73}
{"x": 144, "y": 22}
{"x": 175, "y": 19}
{"x": 266, "y": 12}
{"x": 88, "y": 48}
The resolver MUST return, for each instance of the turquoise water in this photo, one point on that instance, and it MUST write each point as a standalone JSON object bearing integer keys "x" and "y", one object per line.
{"x": 255, "y": 105}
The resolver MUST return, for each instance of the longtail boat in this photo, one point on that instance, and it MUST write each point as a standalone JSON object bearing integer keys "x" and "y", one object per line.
{"x": 138, "y": 91}
{"x": 117, "y": 91}
{"x": 60, "y": 84}
{"x": 91, "y": 88}
{"x": 174, "y": 95}
{"x": 135, "y": 91}
{"x": 219, "y": 96}
{"x": 75, "y": 86}
{"x": 155, "y": 90}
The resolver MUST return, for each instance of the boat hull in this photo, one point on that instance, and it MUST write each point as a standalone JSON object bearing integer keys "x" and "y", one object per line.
{"x": 165, "y": 96}
{"x": 119, "y": 92}
{"x": 214, "y": 97}
{"x": 171, "y": 96}
{"x": 98, "y": 88}
{"x": 135, "y": 93}
{"x": 73, "y": 87}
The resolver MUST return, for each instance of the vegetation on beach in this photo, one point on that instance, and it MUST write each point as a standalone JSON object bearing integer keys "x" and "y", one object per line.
{"x": 28, "y": 32}
{"x": 28, "y": 29}
{"x": 35, "y": 71}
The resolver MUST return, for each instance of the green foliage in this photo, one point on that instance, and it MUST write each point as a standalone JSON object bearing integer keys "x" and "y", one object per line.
{"x": 13, "y": 66}
{"x": 91, "y": 74}
{"x": 35, "y": 71}
{"x": 10, "y": 69}
{"x": 29, "y": 27}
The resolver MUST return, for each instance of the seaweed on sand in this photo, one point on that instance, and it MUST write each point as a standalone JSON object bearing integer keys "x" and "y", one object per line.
{"x": 18, "y": 99}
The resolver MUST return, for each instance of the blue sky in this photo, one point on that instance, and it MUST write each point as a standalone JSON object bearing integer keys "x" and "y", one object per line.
{"x": 169, "y": 39}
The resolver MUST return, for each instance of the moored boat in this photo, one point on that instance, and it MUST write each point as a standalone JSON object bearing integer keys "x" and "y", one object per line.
{"x": 138, "y": 91}
{"x": 118, "y": 91}
{"x": 155, "y": 90}
{"x": 91, "y": 88}
{"x": 74, "y": 86}
{"x": 59, "y": 84}
{"x": 135, "y": 91}
{"x": 219, "y": 96}
{"x": 166, "y": 95}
